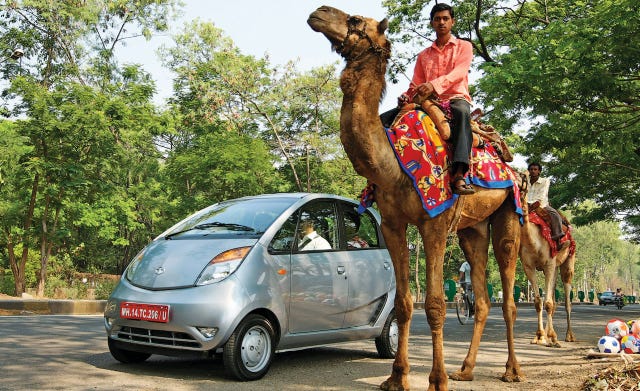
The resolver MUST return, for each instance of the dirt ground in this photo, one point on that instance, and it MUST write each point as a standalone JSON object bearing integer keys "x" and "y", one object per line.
{"x": 545, "y": 368}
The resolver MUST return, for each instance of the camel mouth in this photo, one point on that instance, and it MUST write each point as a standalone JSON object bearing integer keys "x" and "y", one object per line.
{"x": 317, "y": 23}
{"x": 314, "y": 22}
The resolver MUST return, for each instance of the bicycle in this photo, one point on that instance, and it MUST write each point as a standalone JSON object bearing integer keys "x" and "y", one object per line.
{"x": 465, "y": 303}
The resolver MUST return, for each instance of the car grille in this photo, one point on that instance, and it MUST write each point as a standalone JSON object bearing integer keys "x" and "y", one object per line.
{"x": 157, "y": 337}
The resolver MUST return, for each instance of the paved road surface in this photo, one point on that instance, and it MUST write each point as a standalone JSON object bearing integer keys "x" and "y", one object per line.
{"x": 56, "y": 352}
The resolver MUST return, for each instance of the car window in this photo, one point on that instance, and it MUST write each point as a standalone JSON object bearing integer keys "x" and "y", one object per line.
{"x": 285, "y": 237}
{"x": 317, "y": 227}
{"x": 360, "y": 230}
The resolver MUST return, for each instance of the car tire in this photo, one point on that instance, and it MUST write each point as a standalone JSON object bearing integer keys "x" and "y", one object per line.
{"x": 249, "y": 351}
{"x": 387, "y": 342}
{"x": 126, "y": 356}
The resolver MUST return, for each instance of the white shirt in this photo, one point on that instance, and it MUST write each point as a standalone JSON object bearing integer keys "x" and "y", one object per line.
{"x": 539, "y": 191}
{"x": 357, "y": 243}
{"x": 313, "y": 241}
{"x": 466, "y": 268}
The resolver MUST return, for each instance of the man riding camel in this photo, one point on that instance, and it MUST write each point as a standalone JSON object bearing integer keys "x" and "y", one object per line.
{"x": 441, "y": 71}
{"x": 539, "y": 198}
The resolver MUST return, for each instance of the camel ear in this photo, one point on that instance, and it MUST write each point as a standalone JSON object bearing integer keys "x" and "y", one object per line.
{"x": 383, "y": 25}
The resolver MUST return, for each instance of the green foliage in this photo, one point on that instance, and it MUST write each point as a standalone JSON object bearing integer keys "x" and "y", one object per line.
{"x": 7, "y": 284}
{"x": 604, "y": 260}
{"x": 104, "y": 289}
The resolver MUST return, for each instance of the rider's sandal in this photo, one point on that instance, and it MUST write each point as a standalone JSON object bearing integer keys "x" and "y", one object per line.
{"x": 459, "y": 186}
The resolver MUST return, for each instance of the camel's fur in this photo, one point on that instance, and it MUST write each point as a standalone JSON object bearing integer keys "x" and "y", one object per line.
{"x": 488, "y": 214}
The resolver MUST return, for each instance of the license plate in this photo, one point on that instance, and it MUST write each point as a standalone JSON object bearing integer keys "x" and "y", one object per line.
{"x": 149, "y": 312}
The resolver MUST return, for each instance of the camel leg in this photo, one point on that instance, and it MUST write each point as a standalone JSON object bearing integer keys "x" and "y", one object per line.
{"x": 566, "y": 274}
{"x": 550, "y": 303}
{"x": 396, "y": 239}
{"x": 529, "y": 269}
{"x": 505, "y": 237}
{"x": 434, "y": 237}
{"x": 474, "y": 242}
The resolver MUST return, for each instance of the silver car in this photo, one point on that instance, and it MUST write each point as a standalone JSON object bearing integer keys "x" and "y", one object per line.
{"x": 251, "y": 276}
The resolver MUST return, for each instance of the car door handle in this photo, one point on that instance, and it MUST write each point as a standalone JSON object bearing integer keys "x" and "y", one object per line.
{"x": 387, "y": 266}
{"x": 341, "y": 269}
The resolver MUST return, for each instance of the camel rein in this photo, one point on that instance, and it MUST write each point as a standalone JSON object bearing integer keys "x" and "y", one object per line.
{"x": 352, "y": 23}
{"x": 352, "y": 29}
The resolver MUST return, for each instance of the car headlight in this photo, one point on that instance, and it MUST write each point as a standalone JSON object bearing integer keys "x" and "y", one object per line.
{"x": 222, "y": 265}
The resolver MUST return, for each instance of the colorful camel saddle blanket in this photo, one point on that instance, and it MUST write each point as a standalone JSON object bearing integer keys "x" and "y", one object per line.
{"x": 546, "y": 233}
{"x": 424, "y": 157}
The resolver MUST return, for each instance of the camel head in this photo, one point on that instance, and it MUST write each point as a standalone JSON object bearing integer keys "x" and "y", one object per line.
{"x": 351, "y": 36}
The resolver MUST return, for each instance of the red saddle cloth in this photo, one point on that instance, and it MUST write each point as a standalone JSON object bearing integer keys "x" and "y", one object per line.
{"x": 546, "y": 233}
{"x": 425, "y": 158}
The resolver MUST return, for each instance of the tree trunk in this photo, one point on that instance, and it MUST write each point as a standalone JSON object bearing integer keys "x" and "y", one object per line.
{"x": 17, "y": 269}
{"x": 46, "y": 244}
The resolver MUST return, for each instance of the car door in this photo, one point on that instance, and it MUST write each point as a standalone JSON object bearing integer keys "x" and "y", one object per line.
{"x": 319, "y": 289}
{"x": 370, "y": 270}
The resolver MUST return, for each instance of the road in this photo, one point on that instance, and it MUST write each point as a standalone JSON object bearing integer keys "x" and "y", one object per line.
{"x": 52, "y": 352}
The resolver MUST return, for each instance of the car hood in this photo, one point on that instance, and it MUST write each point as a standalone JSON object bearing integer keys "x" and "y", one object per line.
{"x": 166, "y": 264}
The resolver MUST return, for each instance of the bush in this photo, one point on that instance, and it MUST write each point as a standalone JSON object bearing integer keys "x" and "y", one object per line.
{"x": 7, "y": 284}
{"x": 104, "y": 289}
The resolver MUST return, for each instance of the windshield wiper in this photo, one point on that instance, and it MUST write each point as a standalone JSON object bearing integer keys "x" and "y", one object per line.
{"x": 237, "y": 227}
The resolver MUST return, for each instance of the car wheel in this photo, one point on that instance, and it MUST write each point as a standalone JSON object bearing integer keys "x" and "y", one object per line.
{"x": 126, "y": 356}
{"x": 249, "y": 351}
{"x": 387, "y": 342}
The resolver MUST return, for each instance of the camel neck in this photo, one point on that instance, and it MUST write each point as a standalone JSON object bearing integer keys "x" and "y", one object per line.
{"x": 361, "y": 131}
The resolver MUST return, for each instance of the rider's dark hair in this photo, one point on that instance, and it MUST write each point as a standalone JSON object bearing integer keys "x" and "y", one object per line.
{"x": 536, "y": 164}
{"x": 441, "y": 7}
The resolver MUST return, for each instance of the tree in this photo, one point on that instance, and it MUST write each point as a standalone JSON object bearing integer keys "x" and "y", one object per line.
{"x": 65, "y": 118}
{"x": 220, "y": 91}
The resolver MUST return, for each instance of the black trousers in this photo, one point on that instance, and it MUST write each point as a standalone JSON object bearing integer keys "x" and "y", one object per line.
{"x": 556, "y": 223}
{"x": 461, "y": 133}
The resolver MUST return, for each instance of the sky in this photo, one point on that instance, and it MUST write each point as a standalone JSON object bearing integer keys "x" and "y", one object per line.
{"x": 277, "y": 28}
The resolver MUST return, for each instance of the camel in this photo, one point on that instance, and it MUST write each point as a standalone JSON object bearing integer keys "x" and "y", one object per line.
{"x": 486, "y": 214}
{"x": 535, "y": 254}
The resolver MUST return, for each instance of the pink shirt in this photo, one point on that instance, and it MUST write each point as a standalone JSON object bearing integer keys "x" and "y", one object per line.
{"x": 447, "y": 69}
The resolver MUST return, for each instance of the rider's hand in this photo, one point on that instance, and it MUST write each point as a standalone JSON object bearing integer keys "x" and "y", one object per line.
{"x": 403, "y": 100}
{"x": 425, "y": 89}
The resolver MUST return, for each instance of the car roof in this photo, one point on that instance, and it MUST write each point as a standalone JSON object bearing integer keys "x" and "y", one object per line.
{"x": 299, "y": 195}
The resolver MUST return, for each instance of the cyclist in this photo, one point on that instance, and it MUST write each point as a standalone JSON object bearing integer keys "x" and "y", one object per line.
{"x": 465, "y": 283}
{"x": 619, "y": 298}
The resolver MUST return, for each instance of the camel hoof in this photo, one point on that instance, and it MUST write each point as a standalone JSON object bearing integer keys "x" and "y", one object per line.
{"x": 539, "y": 341}
{"x": 554, "y": 344}
{"x": 512, "y": 378}
{"x": 461, "y": 376}
{"x": 570, "y": 338}
{"x": 388, "y": 385}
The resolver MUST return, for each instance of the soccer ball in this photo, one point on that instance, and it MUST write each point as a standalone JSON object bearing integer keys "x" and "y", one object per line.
{"x": 608, "y": 344}
{"x": 630, "y": 344}
{"x": 616, "y": 328}
{"x": 634, "y": 326}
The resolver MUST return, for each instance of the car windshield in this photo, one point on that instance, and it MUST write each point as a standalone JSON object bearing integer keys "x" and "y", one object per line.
{"x": 242, "y": 217}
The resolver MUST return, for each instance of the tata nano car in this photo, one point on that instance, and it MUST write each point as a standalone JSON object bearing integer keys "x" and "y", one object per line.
{"x": 251, "y": 276}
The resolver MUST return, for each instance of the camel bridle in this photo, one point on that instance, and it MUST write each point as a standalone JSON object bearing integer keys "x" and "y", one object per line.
{"x": 352, "y": 29}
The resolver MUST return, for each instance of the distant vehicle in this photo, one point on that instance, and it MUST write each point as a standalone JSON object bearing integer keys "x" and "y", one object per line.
{"x": 609, "y": 297}
{"x": 236, "y": 279}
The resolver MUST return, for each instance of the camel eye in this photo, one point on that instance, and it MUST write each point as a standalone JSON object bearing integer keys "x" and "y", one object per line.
{"x": 354, "y": 20}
